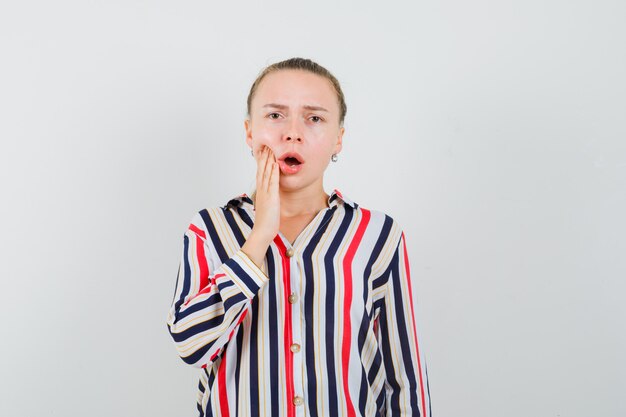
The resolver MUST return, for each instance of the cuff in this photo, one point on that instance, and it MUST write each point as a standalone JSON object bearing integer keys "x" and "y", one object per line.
{"x": 245, "y": 273}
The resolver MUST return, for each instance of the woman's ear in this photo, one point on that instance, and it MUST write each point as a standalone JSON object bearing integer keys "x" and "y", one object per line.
{"x": 248, "y": 128}
{"x": 339, "y": 143}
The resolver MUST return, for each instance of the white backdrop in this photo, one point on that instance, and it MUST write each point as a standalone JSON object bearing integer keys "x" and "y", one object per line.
{"x": 493, "y": 131}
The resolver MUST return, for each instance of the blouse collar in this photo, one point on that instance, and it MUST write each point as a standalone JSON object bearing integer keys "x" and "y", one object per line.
{"x": 335, "y": 198}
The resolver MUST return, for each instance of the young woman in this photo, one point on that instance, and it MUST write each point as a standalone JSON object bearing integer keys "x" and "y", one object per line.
{"x": 292, "y": 301}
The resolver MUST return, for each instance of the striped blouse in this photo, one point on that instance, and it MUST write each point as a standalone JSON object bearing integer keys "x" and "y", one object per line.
{"x": 325, "y": 327}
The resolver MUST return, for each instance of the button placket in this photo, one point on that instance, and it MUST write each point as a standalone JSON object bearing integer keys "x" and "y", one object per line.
{"x": 296, "y": 331}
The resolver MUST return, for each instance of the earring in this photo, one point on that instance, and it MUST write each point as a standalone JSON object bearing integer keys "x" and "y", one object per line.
{"x": 334, "y": 157}
{"x": 251, "y": 152}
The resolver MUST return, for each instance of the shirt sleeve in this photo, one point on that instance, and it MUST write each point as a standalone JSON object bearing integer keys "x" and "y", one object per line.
{"x": 407, "y": 392}
{"x": 209, "y": 304}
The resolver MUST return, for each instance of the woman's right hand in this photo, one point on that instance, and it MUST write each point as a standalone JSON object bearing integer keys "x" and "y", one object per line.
{"x": 267, "y": 199}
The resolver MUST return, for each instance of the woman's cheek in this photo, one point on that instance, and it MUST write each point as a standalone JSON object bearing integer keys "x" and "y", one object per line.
{"x": 264, "y": 134}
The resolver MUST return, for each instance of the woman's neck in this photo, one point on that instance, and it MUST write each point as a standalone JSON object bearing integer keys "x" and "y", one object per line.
{"x": 302, "y": 202}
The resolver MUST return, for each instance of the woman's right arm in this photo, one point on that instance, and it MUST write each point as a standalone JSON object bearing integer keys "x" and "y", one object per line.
{"x": 208, "y": 305}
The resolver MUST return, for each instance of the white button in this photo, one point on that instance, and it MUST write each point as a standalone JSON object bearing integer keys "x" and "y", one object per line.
{"x": 292, "y": 298}
{"x": 290, "y": 252}
{"x": 297, "y": 400}
{"x": 295, "y": 348}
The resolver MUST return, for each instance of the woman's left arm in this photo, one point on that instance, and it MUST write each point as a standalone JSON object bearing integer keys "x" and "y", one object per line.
{"x": 404, "y": 360}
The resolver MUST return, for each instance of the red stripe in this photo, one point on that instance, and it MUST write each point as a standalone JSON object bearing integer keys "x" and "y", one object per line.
{"x": 197, "y": 230}
{"x": 288, "y": 335}
{"x": 242, "y": 316}
{"x": 408, "y": 278}
{"x": 347, "y": 275}
{"x": 223, "y": 393}
{"x": 206, "y": 289}
{"x": 202, "y": 263}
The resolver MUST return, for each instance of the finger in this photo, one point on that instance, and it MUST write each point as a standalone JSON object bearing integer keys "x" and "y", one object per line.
{"x": 274, "y": 176}
{"x": 261, "y": 165}
{"x": 262, "y": 170}
{"x": 268, "y": 165}
{"x": 269, "y": 177}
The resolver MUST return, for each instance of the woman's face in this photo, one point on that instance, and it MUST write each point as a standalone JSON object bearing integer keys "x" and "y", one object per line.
{"x": 296, "y": 111}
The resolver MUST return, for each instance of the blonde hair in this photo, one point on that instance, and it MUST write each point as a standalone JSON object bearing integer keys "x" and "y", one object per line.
{"x": 303, "y": 64}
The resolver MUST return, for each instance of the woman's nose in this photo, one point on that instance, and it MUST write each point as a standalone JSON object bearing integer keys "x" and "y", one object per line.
{"x": 293, "y": 132}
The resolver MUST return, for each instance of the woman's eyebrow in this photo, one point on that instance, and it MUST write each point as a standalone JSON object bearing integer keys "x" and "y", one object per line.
{"x": 282, "y": 107}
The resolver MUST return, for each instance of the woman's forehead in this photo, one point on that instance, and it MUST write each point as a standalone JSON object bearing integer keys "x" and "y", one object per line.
{"x": 288, "y": 87}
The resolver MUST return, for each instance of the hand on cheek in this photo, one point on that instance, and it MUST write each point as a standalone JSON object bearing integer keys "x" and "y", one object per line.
{"x": 267, "y": 201}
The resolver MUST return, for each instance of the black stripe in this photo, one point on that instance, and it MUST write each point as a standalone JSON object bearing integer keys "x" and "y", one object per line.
{"x": 243, "y": 276}
{"x": 234, "y": 227}
{"x": 213, "y": 235}
{"x": 204, "y": 304}
{"x": 366, "y": 323}
{"x": 211, "y": 381}
{"x": 430, "y": 410}
{"x": 330, "y": 310}
{"x": 254, "y": 359}
{"x": 244, "y": 216}
{"x": 389, "y": 368}
{"x": 403, "y": 328}
{"x": 309, "y": 317}
{"x": 186, "y": 277}
{"x": 273, "y": 337}
{"x": 239, "y": 342}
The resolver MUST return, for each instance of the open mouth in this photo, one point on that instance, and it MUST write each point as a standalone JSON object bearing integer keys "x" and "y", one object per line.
{"x": 291, "y": 161}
